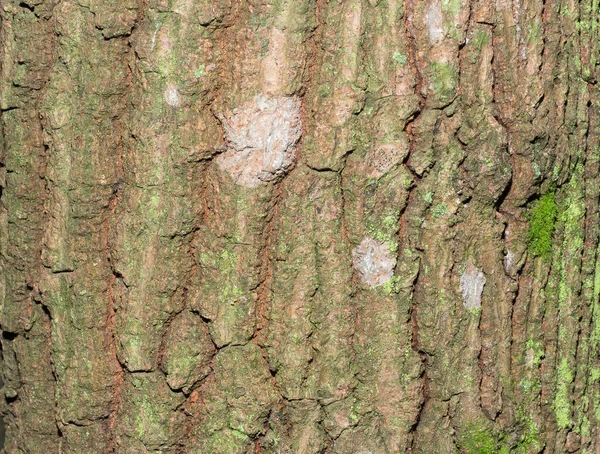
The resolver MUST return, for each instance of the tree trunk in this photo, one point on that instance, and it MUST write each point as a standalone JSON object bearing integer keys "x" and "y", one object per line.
{"x": 300, "y": 226}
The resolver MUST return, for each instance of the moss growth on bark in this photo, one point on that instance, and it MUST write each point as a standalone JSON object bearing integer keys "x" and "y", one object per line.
{"x": 542, "y": 220}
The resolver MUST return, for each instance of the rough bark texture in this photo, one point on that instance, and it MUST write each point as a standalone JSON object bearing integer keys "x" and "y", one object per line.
{"x": 300, "y": 226}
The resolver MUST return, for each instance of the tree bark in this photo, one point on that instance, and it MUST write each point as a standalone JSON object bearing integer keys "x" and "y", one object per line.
{"x": 300, "y": 226}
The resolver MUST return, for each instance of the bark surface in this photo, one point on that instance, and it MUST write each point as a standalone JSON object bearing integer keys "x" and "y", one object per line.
{"x": 300, "y": 226}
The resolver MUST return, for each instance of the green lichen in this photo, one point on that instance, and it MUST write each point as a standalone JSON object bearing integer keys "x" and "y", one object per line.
{"x": 480, "y": 38}
{"x": 451, "y": 7}
{"x": 530, "y": 436}
{"x": 572, "y": 214}
{"x": 200, "y": 71}
{"x": 585, "y": 426}
{"x": 439, "y": 210}
{"x": 391, "y": 286}
{"x": 474, "y": 312}
{"x": 150, "y": 407}
{"x": 385, "y": 228}
{"x": 529, "y": 386}
{"x": 444, "y": 78}
{"x": 325, "y": 90}
{"x": 488, "y": 161}
{"x": 537, "y": 350}
{"x": 595, "y": 332}
{"x": 542, "y": 220}
{"x": 225, "y": 441}
{"x": 561, "y": 404}
{"x": 450, "y": 109}
{"x": 534, "y": 32}
{"x": 586, "y": 26}
{"x": 478, "y": 439}
{"x": 400, "y": 58}
{"x": 239, "y": 434}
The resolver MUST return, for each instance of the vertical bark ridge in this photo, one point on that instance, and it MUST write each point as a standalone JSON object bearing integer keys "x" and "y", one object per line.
{"x": 27, "y": 56}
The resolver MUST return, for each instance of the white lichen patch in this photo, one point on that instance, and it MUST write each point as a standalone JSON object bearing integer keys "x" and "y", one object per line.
{"x": 471, "y": 286}
{"x": 373, "y": 261}
{"x": 509, "y": 260}
{"x": 172, "y": 95}
{"x": 261, "y": 140}
{"x": 156, "y": 29}
{"x": 434, "y": 18}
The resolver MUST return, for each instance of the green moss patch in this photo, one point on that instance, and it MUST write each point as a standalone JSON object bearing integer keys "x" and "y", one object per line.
{"x": 542, "y": 219}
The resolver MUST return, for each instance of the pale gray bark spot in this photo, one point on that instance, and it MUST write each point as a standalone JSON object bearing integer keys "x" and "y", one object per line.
{"x": 373, "y": 261}
{"x": 435, "y": 23}
{"x": 471, "y": 286}
{"x": 261, "y": 140}
{"x": 509, "y": 259}
{"x": 172, "y": 95}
